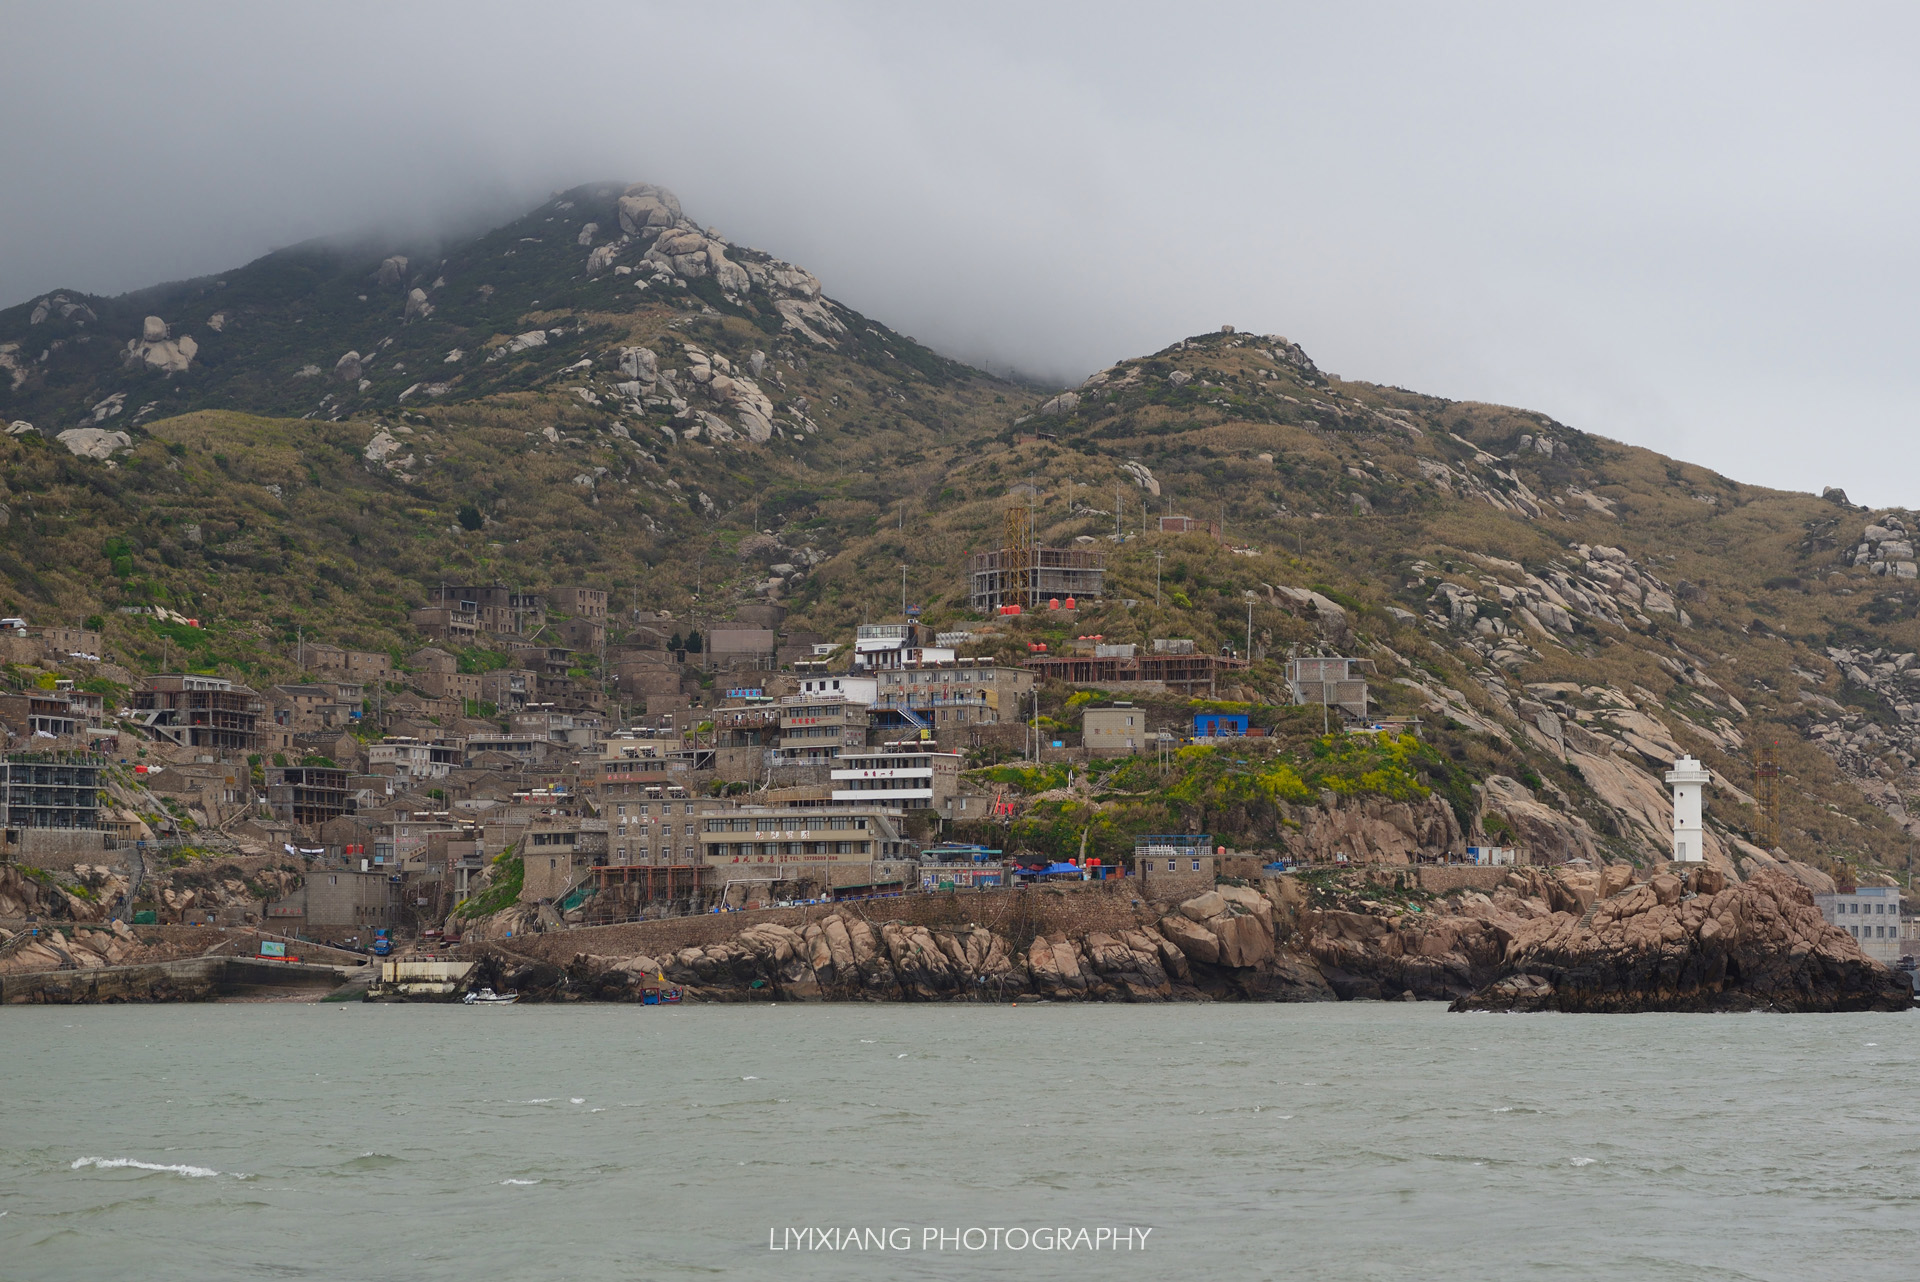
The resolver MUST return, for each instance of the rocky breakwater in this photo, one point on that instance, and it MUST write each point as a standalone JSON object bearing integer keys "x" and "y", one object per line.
{"x": 1696, "y": 943}
{"x": 1218, "y": 945}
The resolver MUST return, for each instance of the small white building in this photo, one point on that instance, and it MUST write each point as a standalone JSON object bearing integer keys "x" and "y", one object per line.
{"x": 1688, "y": 777}
{"x": 1871, "y": 915}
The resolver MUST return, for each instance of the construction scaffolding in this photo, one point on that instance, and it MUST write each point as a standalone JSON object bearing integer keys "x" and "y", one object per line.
{"x": 1023, "y": 574}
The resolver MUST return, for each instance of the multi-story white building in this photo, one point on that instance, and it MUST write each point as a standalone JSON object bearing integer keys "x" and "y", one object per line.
{"x": 1871, "y": 915}
{"x": 416, "y": 758}
{"x": 880, "y": 646}
{"x": 897, "y": 776}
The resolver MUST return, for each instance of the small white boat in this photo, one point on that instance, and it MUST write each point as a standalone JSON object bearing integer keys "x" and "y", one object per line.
{"x": 487, "y": 997}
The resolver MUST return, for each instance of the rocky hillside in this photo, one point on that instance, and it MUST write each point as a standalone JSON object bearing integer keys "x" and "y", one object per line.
{"x": 607, "y": 391}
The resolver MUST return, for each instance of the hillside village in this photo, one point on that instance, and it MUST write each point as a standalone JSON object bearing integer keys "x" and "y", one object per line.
{"x": 601, "y": 569}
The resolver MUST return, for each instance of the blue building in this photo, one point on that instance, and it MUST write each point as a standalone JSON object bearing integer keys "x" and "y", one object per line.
{"x": 1216, "y": 725}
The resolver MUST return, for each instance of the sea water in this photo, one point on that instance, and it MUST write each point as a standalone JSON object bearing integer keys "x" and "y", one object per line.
{"x": 1360, "y": 1141}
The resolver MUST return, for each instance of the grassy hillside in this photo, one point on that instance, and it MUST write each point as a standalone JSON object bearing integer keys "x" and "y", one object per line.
{"x": 1557, "y": 608}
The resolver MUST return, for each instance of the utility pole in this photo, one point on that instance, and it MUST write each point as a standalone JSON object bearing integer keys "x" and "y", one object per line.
{"x": 1116, "y": 512}
{"x": 903, "y": 590}
{"x": 1249, "y": 627}
{"x": 1156, "y": 576}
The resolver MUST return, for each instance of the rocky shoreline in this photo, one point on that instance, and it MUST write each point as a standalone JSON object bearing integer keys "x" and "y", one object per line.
{"x": 1590, "y": 940}
{"x": 1571, "y": 939}
{"x": 1693, "y": 943}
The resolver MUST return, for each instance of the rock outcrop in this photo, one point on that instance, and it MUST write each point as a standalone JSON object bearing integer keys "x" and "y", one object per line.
{"x": 1218, "y": 944}
{"x": 97, "y": 443}
{"x": 158, "y": 350}
{"x": 1698, "y": 944}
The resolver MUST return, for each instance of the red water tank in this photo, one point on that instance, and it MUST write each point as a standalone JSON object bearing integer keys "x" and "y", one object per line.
{"x": 1054, "y": 604}
{"x": 1071, "y": 605}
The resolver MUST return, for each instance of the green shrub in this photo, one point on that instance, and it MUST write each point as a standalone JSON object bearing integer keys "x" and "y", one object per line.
{"x": 506, "y": 878}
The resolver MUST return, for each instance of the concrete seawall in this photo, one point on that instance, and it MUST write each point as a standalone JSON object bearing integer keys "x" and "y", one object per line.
{"x": 193, "y": 979}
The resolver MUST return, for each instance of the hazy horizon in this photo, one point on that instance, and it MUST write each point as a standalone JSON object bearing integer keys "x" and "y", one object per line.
{"x": 1681, "y": 227}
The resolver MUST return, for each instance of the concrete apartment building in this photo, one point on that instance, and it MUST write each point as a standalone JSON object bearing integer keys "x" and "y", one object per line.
{"x": 777, "y": 835}
{"x": 949, "y": 693}
{"x": 415, "y": 758}
{"x": 658, "y": 831}
{"x": 1871, "y": 914}
{"x": 818, "y": 728}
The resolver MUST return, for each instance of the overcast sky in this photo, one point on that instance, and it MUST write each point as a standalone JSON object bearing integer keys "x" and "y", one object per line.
{"x": 1689, "y": 227}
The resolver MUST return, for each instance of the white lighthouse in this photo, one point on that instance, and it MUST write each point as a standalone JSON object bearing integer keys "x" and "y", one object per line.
{"x": 1688, "y": 777}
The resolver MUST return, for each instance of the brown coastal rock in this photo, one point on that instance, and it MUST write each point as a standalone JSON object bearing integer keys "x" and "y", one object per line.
{"x": 1693, "y": 945}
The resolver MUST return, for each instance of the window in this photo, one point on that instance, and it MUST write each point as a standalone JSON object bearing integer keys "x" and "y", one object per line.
{"x": 690, "y": 853}
{"x": 1196, "y": 865}
{"x": 689, "y": 807}
{"x": 1172, "y": 866}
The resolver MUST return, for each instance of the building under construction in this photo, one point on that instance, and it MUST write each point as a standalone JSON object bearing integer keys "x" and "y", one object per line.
{"x": 1021, "y": 573}
{"x": 310, "y": 795}
{"x": 1183, "y": 671}
{"x": 201, "y": 712}
{"x": 50, "y": 791}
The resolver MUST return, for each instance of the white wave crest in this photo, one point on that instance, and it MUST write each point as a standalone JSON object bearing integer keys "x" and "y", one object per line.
{"x": 126, "y": 1163}
{"x": 519, "y": 1181}
{"x": 1585, "y": 1161}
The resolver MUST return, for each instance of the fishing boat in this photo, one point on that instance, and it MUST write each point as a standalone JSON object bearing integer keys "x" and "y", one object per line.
{"x": 658, "y": 992}
{"x": 487, "y": 997}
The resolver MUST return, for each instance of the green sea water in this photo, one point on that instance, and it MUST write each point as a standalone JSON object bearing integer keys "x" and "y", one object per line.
{"x": 1361, "y": 1141}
